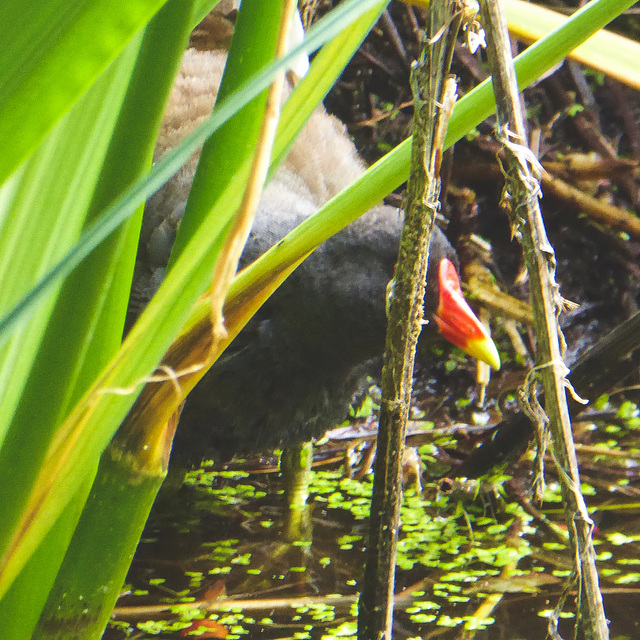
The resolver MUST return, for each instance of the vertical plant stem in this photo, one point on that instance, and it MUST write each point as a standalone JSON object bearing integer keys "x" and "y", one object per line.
{"x": 295, "y": 467}
{"x": 522, "y": 190}
{"x": 434, "y": 96}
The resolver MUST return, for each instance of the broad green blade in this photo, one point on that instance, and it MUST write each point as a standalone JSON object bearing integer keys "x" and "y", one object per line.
{"x": 79, "y": 599}
{"x": 43, "y": 216}
{"x": 85, "y": 329}
{"x": 85, "y": 434}
{"x": 252, "y": 48}
{"x": 21, "y": 606}
{"x": 51, "y": 54}
{"x": 127, "y": 203}
{"x": 103, "y": 545}
{"x": 49, "y": 210}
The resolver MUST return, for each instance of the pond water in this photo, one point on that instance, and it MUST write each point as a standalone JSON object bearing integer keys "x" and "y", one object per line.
{"x": 475, "y": 560}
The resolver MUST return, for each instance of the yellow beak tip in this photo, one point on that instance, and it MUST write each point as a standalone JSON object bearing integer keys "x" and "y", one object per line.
{"x": 484, "y": 349}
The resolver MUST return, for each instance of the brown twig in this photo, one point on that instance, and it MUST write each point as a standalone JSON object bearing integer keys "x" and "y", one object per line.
{"x": 480, "y": 286}
{"x": 602, "y": 212}
{"x": 227, "y": 604}
{"x": 390, "y": 27}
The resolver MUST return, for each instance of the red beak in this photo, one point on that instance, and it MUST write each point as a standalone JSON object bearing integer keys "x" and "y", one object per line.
{"x": 457, "y": 322}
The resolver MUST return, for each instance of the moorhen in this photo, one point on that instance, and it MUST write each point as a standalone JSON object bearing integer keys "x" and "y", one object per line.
{"x": 291, "y": 374}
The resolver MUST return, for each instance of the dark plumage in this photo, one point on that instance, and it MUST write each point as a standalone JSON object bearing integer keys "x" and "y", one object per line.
{"x": 292, "y": 372}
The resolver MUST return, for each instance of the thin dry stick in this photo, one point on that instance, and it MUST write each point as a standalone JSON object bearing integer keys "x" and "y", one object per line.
{"x": 604, "y": 213}
{"x": 434, "y": 96}
{"x": 522, "y": 189}
{"x": 235, "y": 240}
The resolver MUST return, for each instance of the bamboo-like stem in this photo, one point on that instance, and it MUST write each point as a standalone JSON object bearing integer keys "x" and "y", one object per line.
{"x": 522, "y": 188}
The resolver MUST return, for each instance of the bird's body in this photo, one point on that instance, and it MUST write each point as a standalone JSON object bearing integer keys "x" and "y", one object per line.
{"x": 292, "y": 372}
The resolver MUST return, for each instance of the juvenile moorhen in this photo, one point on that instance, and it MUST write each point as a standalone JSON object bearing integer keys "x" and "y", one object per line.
{"x": 292, "y": 372}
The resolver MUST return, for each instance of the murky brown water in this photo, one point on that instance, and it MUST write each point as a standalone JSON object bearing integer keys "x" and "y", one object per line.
{"x": 464, "y": 562}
